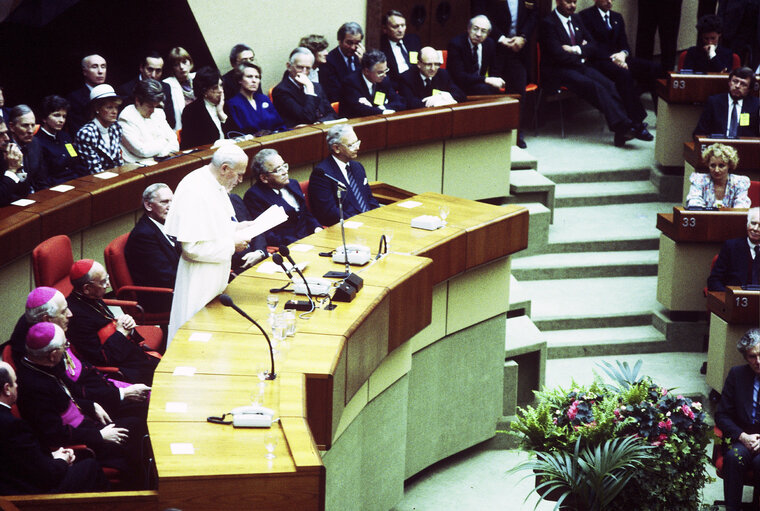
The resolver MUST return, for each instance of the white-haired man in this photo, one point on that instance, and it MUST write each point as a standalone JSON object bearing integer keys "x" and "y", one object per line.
{"x": 297, "y": 99}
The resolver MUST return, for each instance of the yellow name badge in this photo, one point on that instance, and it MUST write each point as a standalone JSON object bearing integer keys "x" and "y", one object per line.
{"x": 379, "y": 98}
{"x": 412, "y": 57}
{"x": 436, "y": 91}
{"x": 73, "y": 152}
{"x": 744, "y": 119}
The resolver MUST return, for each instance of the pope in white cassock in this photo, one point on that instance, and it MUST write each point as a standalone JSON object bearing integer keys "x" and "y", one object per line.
{"x": 202, "y": 218}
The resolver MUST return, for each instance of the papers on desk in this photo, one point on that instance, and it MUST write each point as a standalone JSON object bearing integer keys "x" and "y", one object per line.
{"x": 105, "y": 175}
{"x": 270, "y": 218}
{"x": 352, "y": 224}
{"x": 176, "y": 407}
{"x": 200, "y": 337}
{"x": 270, "y": 268}
{"x": 182, "y": 448}
{"x": 22, "y": 202}
{"x": 183, "y": 371}
{"x": 62, "y": 188}
{"x": 408, "y": 204}
{"x": 300, "y": 247}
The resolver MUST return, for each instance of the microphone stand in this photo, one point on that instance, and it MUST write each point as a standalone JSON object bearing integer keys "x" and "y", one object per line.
{"x": 343, "y": 233}
{"x": 227, "y": 301}
{"x": 286, "y": 252}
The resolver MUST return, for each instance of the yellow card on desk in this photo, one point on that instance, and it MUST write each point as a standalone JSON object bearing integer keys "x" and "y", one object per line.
{"x": 379, "y": 98}
{"x": 71, "y": 150}
{"x": 436, "y": 91}
{"x": 744, "y": 119}
{"x": 412, "y": 57}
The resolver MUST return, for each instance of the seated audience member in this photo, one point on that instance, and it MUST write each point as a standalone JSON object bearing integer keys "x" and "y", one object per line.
{"x": 425, "y": 84}
{"x": 257, "y": 247}
{"x": 318, "y": 46}
{"x": 250, "y": 109}
{"x": 118, "y": 398}
{"x": 145, "y": 131}
{"x": 151, "y": 67}
{"x": 401, "y": 49}
{"x": 26, "y": 465}
{"x": 58, "y": 412}
{"x": 61, "y": 159}
{"x": 709, "y": 56}
{"x": 343, "y": 60}
{"x": 4, "y": 110}
{"x": 204, "y": 119}
{"x": 735, "y": 113}
{"x": 471, "y": 59}
{"x": 238, "y": 54}
{"x": 720, "y": 188}
{"x": 13, "y": 183}
{"x": 566, "y": 53}
{"x": 297, "y": 98}
{"x": 98, "y": 336}
{"x": 369, "y": 91}
{"x": 152, "y": 257}
{"x": 21, "y": 123}
{"x": 738, "y": 261}
{"x": 94, "y": 70}
{"x": 99, "y": 141}
{"x": 180, "y": 80}
{"x": 343, "y": 145}
{"x": 735, "y": 417}
{"x": 274, "y": 187}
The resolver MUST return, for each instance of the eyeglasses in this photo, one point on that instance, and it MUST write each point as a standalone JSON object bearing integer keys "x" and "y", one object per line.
{"x": 282, "y": 169}
{"x": 354, "y": 146}
{"x": 430, "y": 64}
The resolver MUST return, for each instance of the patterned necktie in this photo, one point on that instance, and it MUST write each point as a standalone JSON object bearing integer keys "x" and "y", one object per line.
{"x": 355, "y": 190}
{"x": 733, "y": 127}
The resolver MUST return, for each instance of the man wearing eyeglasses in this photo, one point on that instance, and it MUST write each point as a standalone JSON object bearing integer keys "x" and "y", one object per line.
{"x": 341, "y": 167}
{"x": 471, "y": 59}
{"x": 426, "y": 84}
{"x": 297, "y": 99}
{"x": 274, "y": 187}
{"x": 369, "y": 91}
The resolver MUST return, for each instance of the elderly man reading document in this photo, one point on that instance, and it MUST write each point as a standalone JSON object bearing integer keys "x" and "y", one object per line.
{"x": 203, "y": 220}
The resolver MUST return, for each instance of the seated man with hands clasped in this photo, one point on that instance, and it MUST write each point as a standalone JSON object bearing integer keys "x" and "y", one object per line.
{"x": 426, "y": 84}
{"x": 369, "y": 91}
{"x": 738, "y": 261}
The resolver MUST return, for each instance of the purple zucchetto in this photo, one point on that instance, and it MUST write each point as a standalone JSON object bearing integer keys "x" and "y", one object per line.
{"x": 42, "y": 334}
{"x": 40, "y": 296}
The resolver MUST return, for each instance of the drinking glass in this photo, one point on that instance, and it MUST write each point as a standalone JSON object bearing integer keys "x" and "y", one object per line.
{"x": 290, "y": 323}
{"x": 443, "y": 212}
{"x": 272, "y": 301}
{"x": 271, "y": 437}
{"x": 388, "y": 237}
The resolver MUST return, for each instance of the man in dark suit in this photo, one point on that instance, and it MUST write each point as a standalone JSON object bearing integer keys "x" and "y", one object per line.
{"x": 152, "y": 66}
{"x": 426, "y": 84}
{"x": 607, "y": 28}
{"x": 274, "y": 187}
{"x": 13, "y": 183}
{"x": 741, "y": 28}
{"x": 342, "y": 60}
{"x": 709, "y": 55}
{"x": 738, "y": 261}
{"x": 26, "y": 466}
{"x": 732, "y": 114}
{"x": 369, "y": 91}
{"x": 21, "y": 125}
{"x": 401, "y": 49}
{"x": 471, "y": 57}
{"x": 94, "y": 70}
{"x": 738, "y": 418}
{"x": 152, "y": 257}
{"x": 514, "y": 22}
{"x": 339, "y": 166}
{"x": 238, "y": 54}
{"x": 663, "y": 16}
{"x": 566, "y": 48}
{"x": 297, "y": 99}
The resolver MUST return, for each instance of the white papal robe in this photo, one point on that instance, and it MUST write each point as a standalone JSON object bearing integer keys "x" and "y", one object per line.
{"x": 201, "y": 217}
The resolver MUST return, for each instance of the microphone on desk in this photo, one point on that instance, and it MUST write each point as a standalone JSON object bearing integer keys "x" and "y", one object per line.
{"x": 341, "y": 190}
{"x": 340, "y": 184}
{"x": 227, "y": 302}
{"x": 286, "y": 252}
{"x": 298, "y": 305}
{"x": 277, "y": 259}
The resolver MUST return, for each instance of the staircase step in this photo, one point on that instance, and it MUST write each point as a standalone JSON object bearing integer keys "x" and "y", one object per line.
{"x": 603, "y": 246}
{"x": 636, "y": 318}
{"x": 521, "y": 159}
{"x": 586, "y": 265}
{"x": 607, "y": 176}
{"x": 519, "y": 301}
{"x": 594, "y": 342}
{"x": 619, "y": 192}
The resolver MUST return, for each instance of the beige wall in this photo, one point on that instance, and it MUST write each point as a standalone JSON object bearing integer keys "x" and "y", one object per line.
{"x": 271, "y": 27}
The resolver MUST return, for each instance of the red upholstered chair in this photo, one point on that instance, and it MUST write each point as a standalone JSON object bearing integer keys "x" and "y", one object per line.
{"x": 335, "y": 105}
{"x": 754, "y": 193}
{"x": 736, "y": 61}
{"x": 719, "y": 450}
{"x": 305, "y": 189}
{"x": 123, "y": 285}
{"x": 445, "y": 55}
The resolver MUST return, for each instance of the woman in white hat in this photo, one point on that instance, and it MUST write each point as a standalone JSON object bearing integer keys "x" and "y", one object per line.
{"x": 99, "y": 141}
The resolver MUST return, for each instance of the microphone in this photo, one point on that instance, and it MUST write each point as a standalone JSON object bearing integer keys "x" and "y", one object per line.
{"x": 321, "y": 172}
{"x": 277, "y": 259}
{"x": 286, "y": 252}
{"x": 227, "y": 302}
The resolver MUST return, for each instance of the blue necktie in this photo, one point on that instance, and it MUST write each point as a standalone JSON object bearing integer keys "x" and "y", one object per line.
{"x": 733, "y": 127}
{"x": 355, "y": 190}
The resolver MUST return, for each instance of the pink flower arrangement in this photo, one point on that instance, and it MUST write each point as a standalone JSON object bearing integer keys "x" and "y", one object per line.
{"x": 572, "y": 411}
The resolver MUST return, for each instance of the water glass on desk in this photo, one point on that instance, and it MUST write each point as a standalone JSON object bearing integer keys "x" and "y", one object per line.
{"x": 290, "y": 322}
{"x": 272, "y": 301}
{"x": 271, "y": 438}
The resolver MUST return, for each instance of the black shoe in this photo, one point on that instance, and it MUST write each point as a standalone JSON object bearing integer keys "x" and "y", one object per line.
{"x": 624, "y": 135}
{"x": 642, "y": 133}
{"x": 521, "y": 142}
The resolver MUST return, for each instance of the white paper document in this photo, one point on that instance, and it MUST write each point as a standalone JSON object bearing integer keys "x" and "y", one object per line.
{"x": 272, "y": 217}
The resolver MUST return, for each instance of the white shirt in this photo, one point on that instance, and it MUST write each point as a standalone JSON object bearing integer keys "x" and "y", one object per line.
{"x": 287, "y": 197}
{"x": 513, "y": 7}
{"x": 211, "y": 109}
{"x": 103, "y": 132}
{"x": 752, "y": 248}
{"x": 342, "y": 167}
{"x": 369, "y": 88}
{"x": 400, "y": 60}
{"x": 143, "y": 138}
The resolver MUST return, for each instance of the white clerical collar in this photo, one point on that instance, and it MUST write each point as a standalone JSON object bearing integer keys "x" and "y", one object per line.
{"x": 46, "y": 131}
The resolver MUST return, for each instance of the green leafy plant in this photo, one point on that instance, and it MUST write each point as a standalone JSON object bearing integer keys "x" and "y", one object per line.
{"x": 623, "y": 375}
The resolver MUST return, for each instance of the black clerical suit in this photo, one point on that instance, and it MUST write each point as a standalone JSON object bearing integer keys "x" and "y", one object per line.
{"x": 152, "y": 261}
{"x": 334, "y": 71}
{"x": 714, "y": 118}
{"x": 411, "y": 44}
{"x": 562, "y": 68}
{"x": 413, "y": 88}
{"x": 26, "y": 467}
{"x": 300, "y": 223}
{"x": 733, "y": 266}
{"x": 296, "y": 107}
{"x": 35, "y": 165}
{"x": 734, "y": 417}
{"x": 127, "y": 90}
{"x": 323, "y": 191}
{"x": 355, "y": 88}
{"x": 463, "y": 67}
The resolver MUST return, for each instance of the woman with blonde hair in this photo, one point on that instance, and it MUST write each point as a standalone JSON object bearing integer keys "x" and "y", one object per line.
{"x": 180, "y": 67}
{"x": 720, "y": 188}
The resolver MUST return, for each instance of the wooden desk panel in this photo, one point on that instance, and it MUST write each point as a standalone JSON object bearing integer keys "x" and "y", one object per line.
{"x": 748, "y": 150}
{"x": 297, "y": 147}
{"x": 112, "y": 197}
{"x": 20, "y": 232}
{"x": 170, "y": 172}
{"x": 703, "y": 226}
{"x": 735, "y": 305}
{"x": 487, "y": 116}
{"x": 60, "y": 212}
{"x": 691, "y": 89}
{"x": 419, "y": 126}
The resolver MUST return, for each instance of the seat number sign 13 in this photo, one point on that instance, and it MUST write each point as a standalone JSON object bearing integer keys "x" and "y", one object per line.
{"x": 742, "y": 301}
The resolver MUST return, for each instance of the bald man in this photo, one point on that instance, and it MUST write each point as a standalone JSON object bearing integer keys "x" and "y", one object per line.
{"x": 425, "y": 84}
{"x": 94, "y": 69}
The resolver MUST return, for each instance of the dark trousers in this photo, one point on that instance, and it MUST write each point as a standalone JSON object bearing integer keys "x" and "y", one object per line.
{"x": 83, "y": 476}
{"x": 625, "y": 84}
{"x": 662, "y": 15}
{"x": 736, "y": 462}
{"x": 514, "y": 71}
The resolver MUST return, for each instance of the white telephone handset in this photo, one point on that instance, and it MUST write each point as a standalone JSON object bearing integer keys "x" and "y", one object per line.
{"x": 252, "y": 417}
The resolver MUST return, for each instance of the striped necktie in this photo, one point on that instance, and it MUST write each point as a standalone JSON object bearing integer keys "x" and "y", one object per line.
{"x": 355, "y": 189}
